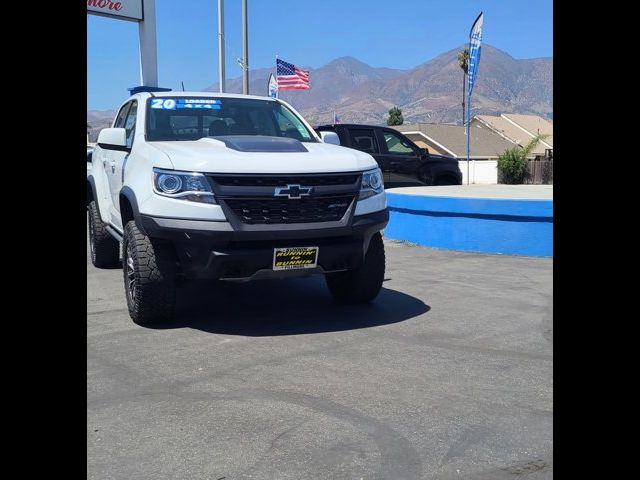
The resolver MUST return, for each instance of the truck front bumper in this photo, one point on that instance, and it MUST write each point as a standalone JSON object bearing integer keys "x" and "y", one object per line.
{"x": 215, "y": 250}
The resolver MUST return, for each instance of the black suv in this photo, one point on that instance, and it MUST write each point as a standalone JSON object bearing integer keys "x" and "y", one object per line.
{"x": 402, "y": 162}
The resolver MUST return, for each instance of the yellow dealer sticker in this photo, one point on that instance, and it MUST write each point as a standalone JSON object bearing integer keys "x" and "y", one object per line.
{"x": 293, "y": 258}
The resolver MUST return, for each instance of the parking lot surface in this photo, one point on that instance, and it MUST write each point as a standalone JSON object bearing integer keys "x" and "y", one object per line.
{"x": 447, "y": 375}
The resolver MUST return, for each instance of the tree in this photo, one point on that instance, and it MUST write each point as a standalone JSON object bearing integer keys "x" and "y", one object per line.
{"x": 395, "y": 117}
{"x": 463, "y": 61}
{"x": 512, "y": 164}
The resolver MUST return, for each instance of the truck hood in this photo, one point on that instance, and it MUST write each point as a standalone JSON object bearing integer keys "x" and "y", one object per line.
{"x": 209, "y": 155}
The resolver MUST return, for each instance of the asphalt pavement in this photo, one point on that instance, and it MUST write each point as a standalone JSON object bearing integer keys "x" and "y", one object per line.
{"x": 446, "y": 375}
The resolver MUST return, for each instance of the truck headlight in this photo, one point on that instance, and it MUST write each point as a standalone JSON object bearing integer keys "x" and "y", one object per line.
{"x": 372, "y": 184}
{"x": 191, "y": 186}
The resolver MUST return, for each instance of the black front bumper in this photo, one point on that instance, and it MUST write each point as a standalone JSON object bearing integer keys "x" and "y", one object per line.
{"x": 215, "y": 250}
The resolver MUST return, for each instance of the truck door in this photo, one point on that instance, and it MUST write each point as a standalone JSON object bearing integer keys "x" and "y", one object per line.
{"x": 403, "y": 159}
{"x": 364, "y": 139}
{"x": 106, "y": 158}
{"x": 117, "y": 160}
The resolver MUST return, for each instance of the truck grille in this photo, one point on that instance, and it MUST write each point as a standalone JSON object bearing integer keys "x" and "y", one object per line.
{"x": 282, "y": 180}
{"x": 265, "y": 210}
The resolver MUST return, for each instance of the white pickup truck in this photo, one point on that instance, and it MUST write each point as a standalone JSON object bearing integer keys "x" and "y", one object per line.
{"x": 231, "y": 187}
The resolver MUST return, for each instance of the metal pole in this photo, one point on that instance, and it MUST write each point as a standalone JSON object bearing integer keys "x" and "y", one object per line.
{"x": 148, "y": 46}
{"x": 221, "y": 75}
{"x": 245, "y": 50}
{"x": 464, "y": 84}
{"x": 277, "y": 90}
{"x": 468, "y": 135}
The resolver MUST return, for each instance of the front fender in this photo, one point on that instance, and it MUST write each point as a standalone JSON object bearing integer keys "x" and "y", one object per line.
{"x": 128, "y": 193}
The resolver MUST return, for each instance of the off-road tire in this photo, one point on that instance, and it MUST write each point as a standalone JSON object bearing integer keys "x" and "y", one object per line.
{"x": 149, "y": 269}
{"x": 104, "y": 249}
{"x": 362, "y": 284}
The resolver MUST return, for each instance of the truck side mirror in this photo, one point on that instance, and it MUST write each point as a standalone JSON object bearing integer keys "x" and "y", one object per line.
{"x": 113, "y": 139}
{"x": 424, "y": 152}
{"x": 330, "y": 137}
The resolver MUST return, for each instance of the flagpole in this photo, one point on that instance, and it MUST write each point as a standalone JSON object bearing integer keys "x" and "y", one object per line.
{"x": 276, "y": 75}
{"x": 221, "y": 61}
{"x": 245, "y": 49}
{"x": 475, "y": 42}
{"x": 468, "y": 136}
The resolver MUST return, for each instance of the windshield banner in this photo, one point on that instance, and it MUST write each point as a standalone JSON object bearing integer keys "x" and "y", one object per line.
{"x": 174, "y": 103}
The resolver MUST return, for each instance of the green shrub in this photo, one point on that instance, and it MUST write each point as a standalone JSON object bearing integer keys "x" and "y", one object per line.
{"x": 395, "y": 117}
{"x": 512, "y": 164}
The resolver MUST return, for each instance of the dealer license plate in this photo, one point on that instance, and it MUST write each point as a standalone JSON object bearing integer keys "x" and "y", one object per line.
{"x": 293, "y": 258}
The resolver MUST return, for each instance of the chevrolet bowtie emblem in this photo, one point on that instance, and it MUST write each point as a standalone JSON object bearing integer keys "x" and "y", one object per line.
{"x": 293, "y": 192}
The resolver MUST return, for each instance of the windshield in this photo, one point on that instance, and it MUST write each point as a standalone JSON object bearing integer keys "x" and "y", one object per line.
{"x": 191, "y": 118}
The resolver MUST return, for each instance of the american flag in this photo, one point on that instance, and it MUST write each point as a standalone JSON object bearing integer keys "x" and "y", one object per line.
{"x": 290, "y": 77}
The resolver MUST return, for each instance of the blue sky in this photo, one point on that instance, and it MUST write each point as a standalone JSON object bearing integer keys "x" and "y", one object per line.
{"x": 398, "y": 34}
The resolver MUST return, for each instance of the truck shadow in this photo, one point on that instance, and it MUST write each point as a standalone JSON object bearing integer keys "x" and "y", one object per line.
{"x": 284, "y": 307}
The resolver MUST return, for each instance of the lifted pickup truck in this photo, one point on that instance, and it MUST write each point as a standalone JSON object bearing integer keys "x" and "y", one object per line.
{"x": 403, "y": 163}
{"x": 233, "y": 187}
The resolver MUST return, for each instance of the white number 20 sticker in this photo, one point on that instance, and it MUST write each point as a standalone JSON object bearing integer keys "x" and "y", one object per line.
{"x": 168, "y": 104}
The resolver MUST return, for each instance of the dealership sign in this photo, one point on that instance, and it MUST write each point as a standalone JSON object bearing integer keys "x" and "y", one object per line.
{"x": 123, "y": 9}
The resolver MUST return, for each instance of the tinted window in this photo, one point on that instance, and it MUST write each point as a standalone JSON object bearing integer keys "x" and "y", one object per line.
{"x": 183, "y": 124}
{"x": 191, "y": 118}
{"x": 286, "y": 124}
{"x": 122, "y": 114}
{"x": 397, "y": 145}
{"x": 130, "y": 123}
{"x": 364, "y": 140}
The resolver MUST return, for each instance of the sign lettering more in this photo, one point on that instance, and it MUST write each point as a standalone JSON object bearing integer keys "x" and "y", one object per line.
{"x": 122, "y": 9}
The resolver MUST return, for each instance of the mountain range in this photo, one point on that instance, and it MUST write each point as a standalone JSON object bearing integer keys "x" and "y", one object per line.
{"x": 430, "y": 92}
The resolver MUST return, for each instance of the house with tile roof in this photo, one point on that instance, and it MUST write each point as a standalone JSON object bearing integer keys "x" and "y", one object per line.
{"x": 451, "y": 141}
{"x": 518, "y": 129}
{"x": 490, "y": 137}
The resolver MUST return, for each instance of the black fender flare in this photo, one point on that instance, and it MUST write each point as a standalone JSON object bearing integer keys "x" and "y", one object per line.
{"x": 128, "y": 193}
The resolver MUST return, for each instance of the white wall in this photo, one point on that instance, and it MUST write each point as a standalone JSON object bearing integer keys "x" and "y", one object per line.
{"x": 480, "y": 171}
